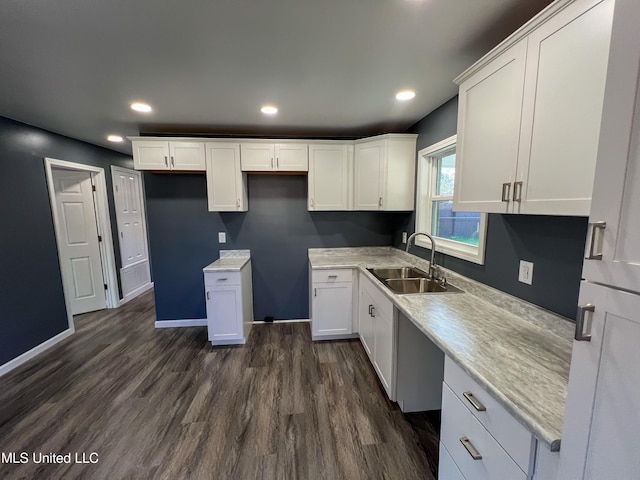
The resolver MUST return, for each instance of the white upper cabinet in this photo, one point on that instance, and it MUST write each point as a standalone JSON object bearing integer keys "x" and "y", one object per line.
{"x": 330, "y": 177}
{"x": 158, "y": 154}
{"x": 530, "y": 114}
{"x": 384, "y": 177}
{"x": 270, "y": 157}
{"x": 226, "y": 183}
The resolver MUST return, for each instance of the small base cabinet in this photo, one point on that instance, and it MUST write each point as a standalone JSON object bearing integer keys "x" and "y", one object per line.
{"x": 377, "y": 329}
{"x": 229, "y": 302}
{"x": 331, "y": 304}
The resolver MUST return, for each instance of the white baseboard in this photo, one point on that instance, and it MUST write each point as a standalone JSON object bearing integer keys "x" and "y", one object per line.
{"x": 26, "y": 356}
{"x": 294, "y": 320}
{"x": 194, "y": 322}
{"x": 135, "y": 293}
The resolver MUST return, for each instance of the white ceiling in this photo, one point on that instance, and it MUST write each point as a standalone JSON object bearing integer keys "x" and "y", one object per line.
{"x": 206, "y": 66}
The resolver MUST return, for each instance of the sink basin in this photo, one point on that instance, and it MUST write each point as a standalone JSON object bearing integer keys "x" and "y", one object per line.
{"x": 402, "y": 272}
{"x": 419, "y": 285}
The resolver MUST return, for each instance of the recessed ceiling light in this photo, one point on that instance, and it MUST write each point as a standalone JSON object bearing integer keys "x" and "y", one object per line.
{"x": 115, "y": 138}
{"x": 269, "y": 110}
{"x": 141, "y": 107}
{"x": 405, "y": 95}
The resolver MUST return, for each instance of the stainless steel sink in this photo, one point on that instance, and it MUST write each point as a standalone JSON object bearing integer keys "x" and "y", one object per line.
{"x": 407, "y": 280}
{"x": 419, "y": 285}
{"x": 402, "y": 272}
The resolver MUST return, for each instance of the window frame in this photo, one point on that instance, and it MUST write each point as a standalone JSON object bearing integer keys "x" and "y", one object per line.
{"x": 425, "y": 195}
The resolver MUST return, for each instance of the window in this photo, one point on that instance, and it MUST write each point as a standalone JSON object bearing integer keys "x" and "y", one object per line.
{"x": 459, "y": 234}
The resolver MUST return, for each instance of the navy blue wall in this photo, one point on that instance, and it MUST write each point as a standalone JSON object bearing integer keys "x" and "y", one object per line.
{"x": 277, "y": 229}
{"x": 32, "y": 306}
{"x": 554, "y": 244}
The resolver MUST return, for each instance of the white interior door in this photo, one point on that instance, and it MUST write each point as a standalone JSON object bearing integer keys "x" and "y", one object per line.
{"x": 130, "y": 217}
{"x": 78, "y": 240}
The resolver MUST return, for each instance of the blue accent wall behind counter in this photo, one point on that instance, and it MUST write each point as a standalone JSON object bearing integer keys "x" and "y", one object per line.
{"x": 278, "y": 229}
{"x": 32, "y": 308}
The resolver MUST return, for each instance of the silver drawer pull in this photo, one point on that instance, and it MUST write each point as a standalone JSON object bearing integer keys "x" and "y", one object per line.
{"x": 506, "y": 191}
{"x": 594, "y": 227}
{"x": 517, "y": 191}
{"x": 580, "y": 336}
{"x": 208, "y": 295}
{"x": 470, "y": 448}
{"x": 222, "y": 279}
{"x": 333, "y": 276}
{"x": 472, "y": 400}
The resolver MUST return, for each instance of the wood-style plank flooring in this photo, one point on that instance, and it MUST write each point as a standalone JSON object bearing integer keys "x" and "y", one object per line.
{"x": 163, "y": 403}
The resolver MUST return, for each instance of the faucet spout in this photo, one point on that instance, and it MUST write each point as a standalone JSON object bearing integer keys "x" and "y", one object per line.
{"x": 432, "y": 264}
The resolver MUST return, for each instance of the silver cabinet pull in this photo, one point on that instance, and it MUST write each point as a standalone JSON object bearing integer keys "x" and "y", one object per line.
{"x": 373, "y": 311}
{"x": 277, "y": 162}
{"x": 271, "y": 163}
{"x": 506, "y": 190}
{"x": 173, "y": 161}
{"x": 472, "y": 400}
{"x": 580, "y": 336}
{"x": 208, "y": 295}
{"x": 591, "y": 253}
{"x": 313, "y": 205}
{"x": 238, "y": 204}
{"x": 370, "y": 307}
{"x": 380, "y": 201}
{"x": 166, "y": 161}
{"x": 315, "y": 292}
{"x": 517, "y": 191}
{"x": 470, "y": 448}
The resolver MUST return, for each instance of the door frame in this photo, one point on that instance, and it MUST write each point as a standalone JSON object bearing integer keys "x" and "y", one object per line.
{"x": 126, "y": 297}
{"x": 107, "y": 255}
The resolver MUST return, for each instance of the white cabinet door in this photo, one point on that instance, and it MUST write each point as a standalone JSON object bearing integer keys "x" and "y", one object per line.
{"x": 292, "y": 157}
{"x": 616, "y": 195}
{"x": 329, "y": 177}
{"x": 187, "y": 156}
{"x": 369, "y": 175}
{"x": 601, "y": 424}
{"x": 365, "y": 321}
{"x": 564, "y": 91}
{"x": 226, "y": 183}
{"x": 383, "y": 353}
{"x": 257, "y": 157}
{"x": 224, "y": 314}
{"x": 151, "y": 155}
{"x": 331, "y": 309}
{"x": 489, "y": 112}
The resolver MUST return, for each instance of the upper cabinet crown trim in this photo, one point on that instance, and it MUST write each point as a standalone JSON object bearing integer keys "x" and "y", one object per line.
{"x": 542, "y": 17}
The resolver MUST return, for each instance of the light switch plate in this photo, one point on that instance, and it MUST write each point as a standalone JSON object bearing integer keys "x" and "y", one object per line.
{"x": 525, "y": 275}
{"x": 222, "y": 237}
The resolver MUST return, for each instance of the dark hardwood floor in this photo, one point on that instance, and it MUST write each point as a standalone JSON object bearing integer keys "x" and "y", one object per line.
{"x": 163, "y": 403}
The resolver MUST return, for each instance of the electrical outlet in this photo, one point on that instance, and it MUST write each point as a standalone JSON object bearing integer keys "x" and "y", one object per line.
{"x": 525, "y": 274}
{"x": 404, "y": 237}
{"x": 222, "y": 237}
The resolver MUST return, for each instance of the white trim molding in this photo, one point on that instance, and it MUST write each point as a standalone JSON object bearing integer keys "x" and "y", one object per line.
{"x": 38, "y": 349}
{"x": 293, "y": 320}
{"x": 193, "y": 322}
{"x": 107, "y": 254}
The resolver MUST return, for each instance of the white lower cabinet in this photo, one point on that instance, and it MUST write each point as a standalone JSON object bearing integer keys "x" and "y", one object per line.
{"x": 483, "y": 439}
{"x": 229, "y": 302}
{"x": 377, "y": 329}
{"x": 331, "y": 303}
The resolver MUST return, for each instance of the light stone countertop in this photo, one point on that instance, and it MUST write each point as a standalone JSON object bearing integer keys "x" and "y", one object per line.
{"x": 229, "y": 261}
{"x": 518, "y": 352}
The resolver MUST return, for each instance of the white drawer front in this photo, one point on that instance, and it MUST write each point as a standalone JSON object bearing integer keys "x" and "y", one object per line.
{"x": 329, "y": 276}
{"x": 513, "y": 437}
{"x": 447, "y": 468}
{"x": 216, "y": 279}
{"x": 457, "y": 424}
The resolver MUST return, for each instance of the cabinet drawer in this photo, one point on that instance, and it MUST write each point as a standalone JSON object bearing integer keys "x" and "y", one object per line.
{"x": 214, "y": 279}
{"x": 515, "y": 438}
{"x": 458, "y": 425}
{"x": 328, "y": 276}
{"x": 447, "y": 468}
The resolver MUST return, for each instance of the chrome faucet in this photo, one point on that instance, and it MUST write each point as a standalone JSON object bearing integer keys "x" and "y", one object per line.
{"x": 432, "y": 263}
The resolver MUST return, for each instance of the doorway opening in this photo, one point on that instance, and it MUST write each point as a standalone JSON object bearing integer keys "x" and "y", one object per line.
{"x": 79, "y": 205}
